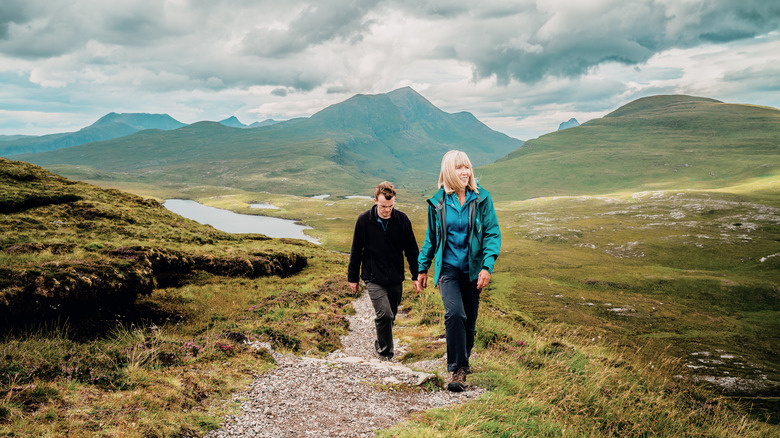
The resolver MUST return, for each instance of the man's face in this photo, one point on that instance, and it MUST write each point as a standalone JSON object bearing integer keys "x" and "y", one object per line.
{"x": 384, "y": 207}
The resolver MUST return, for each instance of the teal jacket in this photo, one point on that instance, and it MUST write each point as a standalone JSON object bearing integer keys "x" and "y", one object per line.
{"x": 484, "y": 235}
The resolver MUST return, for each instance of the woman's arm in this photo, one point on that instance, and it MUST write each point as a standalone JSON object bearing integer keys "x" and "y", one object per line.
{"x": 429, "y": 245}
{"x": 491, "y": 237}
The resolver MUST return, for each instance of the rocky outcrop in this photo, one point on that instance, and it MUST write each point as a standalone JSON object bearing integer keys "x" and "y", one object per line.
{"x": 571, "y": 123}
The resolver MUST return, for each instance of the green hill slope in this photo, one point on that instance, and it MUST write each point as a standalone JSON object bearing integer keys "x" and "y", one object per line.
{"x": 660, "y": 142}
{"x": 68, "y": 249}
{"x": 342, "y": 150}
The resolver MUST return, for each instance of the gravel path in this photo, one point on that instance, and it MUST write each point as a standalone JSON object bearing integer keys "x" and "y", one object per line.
{"x": 350, "y": 393}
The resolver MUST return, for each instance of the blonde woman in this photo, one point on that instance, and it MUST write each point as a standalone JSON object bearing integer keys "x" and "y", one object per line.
{"x": 464, "y": 239}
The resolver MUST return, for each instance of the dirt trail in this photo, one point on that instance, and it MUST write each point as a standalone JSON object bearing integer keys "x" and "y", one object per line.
{"x": 348, "y": 394}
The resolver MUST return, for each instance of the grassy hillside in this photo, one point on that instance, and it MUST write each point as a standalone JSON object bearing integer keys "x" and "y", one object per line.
{"x": 688, "y": 274}
{"x": 68, "y": 249}
{"x": 654, "y": 143}
{"x": 167, "y": 365}
{"x": 123, "y": 319}
{"x": 604, "y": 316}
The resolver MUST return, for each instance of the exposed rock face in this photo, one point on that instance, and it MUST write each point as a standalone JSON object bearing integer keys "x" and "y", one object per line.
{"x": 571, "y": 123}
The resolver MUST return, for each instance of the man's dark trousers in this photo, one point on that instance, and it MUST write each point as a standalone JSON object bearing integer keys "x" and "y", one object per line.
{"x": 385, "y": 300}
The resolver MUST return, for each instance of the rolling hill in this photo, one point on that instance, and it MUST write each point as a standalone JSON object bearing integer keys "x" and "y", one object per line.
{"x": 653, "y": 143}
{"x": 110, "y": 126}
{"x": 344, "y": 149}
{"x": 70, "y": 248}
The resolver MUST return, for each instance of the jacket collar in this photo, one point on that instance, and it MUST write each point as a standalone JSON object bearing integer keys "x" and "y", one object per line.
{"x": 373, "y": 216}
{"x": 439, "y": 195}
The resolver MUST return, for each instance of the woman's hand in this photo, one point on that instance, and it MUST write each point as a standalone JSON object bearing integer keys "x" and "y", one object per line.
{"x": 483, "y": 279}
{"x": 422, "y": 278}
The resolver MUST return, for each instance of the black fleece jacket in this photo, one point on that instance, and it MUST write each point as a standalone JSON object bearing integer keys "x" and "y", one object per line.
{"x": 381, "y": 252}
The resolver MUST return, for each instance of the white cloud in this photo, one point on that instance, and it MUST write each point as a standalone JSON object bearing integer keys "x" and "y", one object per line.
{"x": 517, "y": 65}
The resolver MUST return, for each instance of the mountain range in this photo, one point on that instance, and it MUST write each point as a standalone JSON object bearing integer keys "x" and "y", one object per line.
{"x": 653, "y": 143}
{"x": 345, "y": 149}
{"x": 108, "y": 127}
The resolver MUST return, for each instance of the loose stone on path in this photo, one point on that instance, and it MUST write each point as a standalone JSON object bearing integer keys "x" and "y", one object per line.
{"x": 348, "y": 394}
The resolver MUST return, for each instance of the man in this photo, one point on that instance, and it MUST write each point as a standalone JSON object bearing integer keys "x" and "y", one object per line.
{"x": 382, "y": 237}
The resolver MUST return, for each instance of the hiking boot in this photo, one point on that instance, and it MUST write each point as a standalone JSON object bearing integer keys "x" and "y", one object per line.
{"x": 380, "y": 356}
{"x": 384, "y": 358}
{"x": 458, "y": 382}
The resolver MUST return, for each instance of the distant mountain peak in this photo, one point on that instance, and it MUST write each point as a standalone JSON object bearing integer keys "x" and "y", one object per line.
{"x": 659, "y": 103}
{"x": 266, "y": 122}
{"x": 138, "y": 121}
{"x": 571, "y": 123}
{"x": 112, "y": 125}
{"x": 233, "y": 122}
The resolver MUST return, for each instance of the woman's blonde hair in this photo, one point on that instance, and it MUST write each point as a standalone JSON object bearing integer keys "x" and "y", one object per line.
{"x": 449, "y": 179}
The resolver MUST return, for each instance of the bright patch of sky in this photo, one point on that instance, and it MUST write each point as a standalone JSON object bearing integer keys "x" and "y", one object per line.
{"x": 522, "y": 67}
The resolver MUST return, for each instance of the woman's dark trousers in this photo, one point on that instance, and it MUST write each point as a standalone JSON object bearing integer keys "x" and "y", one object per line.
{"x": 461, "y": 304}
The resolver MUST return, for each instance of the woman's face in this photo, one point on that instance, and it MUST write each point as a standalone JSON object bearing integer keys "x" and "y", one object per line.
{"x": 463, "y": 172}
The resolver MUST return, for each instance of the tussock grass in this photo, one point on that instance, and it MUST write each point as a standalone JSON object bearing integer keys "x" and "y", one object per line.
{"x": 165, "y": 363}
{"x": 554, "y": 381}
{"x": 151, "y": 379}
{"x": 555, "y": 359}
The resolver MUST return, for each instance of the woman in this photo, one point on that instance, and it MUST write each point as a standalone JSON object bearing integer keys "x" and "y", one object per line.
{"x": 464, "y": 239}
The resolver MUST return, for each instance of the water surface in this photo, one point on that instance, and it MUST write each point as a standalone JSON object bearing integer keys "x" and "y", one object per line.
{"x": 231, "y": 222}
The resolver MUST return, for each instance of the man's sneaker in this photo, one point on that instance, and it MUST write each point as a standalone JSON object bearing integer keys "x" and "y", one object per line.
{"x": 458, "y": 382}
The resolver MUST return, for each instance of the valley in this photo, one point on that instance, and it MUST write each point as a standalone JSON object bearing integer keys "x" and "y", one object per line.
{"x": 638, "y": 279}
{"x": 680, "y": 272}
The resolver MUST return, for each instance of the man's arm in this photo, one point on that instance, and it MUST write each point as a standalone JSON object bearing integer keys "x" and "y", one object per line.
{"x": 355, "y": 257}
{"x": 412, "y": 252}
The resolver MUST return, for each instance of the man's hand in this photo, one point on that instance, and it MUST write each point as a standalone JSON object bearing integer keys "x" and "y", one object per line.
{"x": 353, "y": 286}
{"x": 416, "y": 284}
{"x": 422, "y": 279}
{"x": 483, "y": 279}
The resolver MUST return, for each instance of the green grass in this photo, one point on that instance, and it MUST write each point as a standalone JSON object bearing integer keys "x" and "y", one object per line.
{"x": 554, "y": 364}
{"x": 675, "y": 262}
{"x": 547, "y": 379}
{"x": 168, "y": 371}
{"x": 655, "y": 143}
{"x": 163, "y": 364}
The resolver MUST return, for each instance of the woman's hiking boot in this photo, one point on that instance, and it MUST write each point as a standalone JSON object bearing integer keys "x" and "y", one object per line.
{"x": 458, "y": 382}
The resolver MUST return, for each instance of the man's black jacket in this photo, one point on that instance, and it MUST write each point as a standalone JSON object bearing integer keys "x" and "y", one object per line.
{"x": 382, "y": 252}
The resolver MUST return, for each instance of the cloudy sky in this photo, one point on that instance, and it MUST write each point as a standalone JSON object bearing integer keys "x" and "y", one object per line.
{"x": 520, "y": 66}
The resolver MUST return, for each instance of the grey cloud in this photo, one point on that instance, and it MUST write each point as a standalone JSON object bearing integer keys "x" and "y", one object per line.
{"x": 57, "y": 28}
{"x": 281, "y": 92}
{"x": 760, "y": 81}
{"x": 316, "y": 24}
{"x": 12, "y": 11}
{"x": 438, "y": 8}
{"x": 338, "y": 90}
{"x": 531, "y": 45}
{"x": 450, "y": 9}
